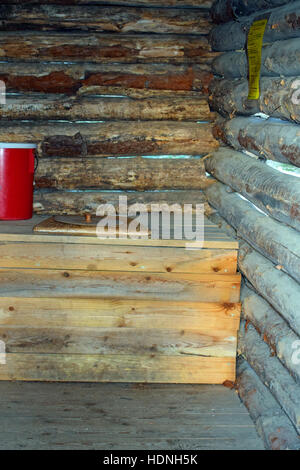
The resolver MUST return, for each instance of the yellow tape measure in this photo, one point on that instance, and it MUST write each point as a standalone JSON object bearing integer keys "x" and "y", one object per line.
{"x": 254, "y": 47}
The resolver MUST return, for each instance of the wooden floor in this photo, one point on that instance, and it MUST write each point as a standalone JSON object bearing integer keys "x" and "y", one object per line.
{"x": 123, "y": 417}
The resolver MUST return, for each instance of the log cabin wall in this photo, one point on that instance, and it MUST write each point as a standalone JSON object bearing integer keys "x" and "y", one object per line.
{"x": 266, "y": 218}
{"x": 109, "y": 90}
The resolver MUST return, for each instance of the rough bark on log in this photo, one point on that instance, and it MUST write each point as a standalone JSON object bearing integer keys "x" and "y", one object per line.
{"x": 283, "y": 24}
{"x": 116, "y": 79}
{"x": 270, "y": 138}
{"x": 271, "y": 422}
{"x": 121, "y": 173}
{"x": 104, "y": 48}
{"x": 104, "y": 19}
{"x": 44, "y": 107}
{"x": 271, "y": 372}
{"x": 279, "y": 98}
{"x": 273, "y": 329}
{"x": 275, "y": 193}
{"x": 279, "y": 58}
{"x": 82, "y": 202}
{"x": 228, "y": 10}
{"x": 279, "y": 289}
{"x": 276, "y": 241}
{"x": 146, "y": 3}
{"x": 56, "y": 139}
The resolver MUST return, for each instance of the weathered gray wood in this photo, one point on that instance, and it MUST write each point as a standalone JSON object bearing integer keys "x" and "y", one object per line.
{"x": 279, "y": 98}
{"x": 271, "y": 372}
{"x": 283, "y": 24}
{"x": 270, "y": 138}
{"x": 155, "y": 417}
{"x": 272, "y": 423}
{"x": 279, "y": 289}
{"x": 104, "y": 19}
{"x": 147, "y": 3}
{"x": 81, "y": 202}
{"x": 276, "y": 193}
{"x": 121, "y": 173}
{"x": 112, "y": 138}
{"x": 228, "y": 10}
{"x": 278, "y": 58}
{"x": 61, "y": 107}
{"x": 276, "y": 241}
{"x": 273, "y": 329}
{"x": 33, "y": 46}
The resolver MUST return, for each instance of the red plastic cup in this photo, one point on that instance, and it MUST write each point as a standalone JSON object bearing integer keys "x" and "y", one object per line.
{"x": 16, "y": 181}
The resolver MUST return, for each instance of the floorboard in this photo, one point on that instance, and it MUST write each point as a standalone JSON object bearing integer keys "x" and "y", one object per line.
{"x": 123, "y": 416}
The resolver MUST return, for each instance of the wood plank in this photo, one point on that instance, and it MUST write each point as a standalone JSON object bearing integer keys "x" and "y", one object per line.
{"x": 61, "y": 107}
{"x": 276, "y": 241}
{"x": 278, "y": 98}
{"x": 275, "y": 193}
{"x": 115, "y": 368}
{"x": 137, "y": 174}
{"x": 117, "y": 258}
{"x": 108, "y": 341}
{"x": 85, "y": 49}
{"x": 112, "y": 313}
{"x": 98, "y": 284}
{"x": 105, "y": 19}
{"x": 112, "y": 138}
{"x": 282, "y": 24}
{"x": 272, "y": 139}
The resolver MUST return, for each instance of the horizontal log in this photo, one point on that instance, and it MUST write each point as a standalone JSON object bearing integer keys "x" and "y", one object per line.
{"x": 137, "y": 173}
{"x": 80, "y": 202}
{"x": 104, "y": 48}
{"x": 272, "y": 423}
{"x": 275, "y": 193}
{"x": 269, "y": 138}
{"x": 114, "y": 79}
{"x": 276, "y": 241}
{"x": 117, "y": 313}
{"x": 44, "y": 107}
{"x": 273, "y": 329}
{"x": 278, "y": 58}
{"x": 224, "y": 11}
{"x": 279, "y": 98}
{"x": 116, "y": 368}
{"x": 283, "y": 24}
{"x": 163, "y": 342}
{"x": 146, "y": 3}
{"x": 114, "y": 138}
{"x": 279, "y": 289}
{"x": 271, "y": 372}
{"x": 104, "y": 19}
{"x": 131, "y": 285}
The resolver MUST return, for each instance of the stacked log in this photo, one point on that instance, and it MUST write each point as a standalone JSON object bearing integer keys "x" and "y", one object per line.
{"x": 275, "y": 193}
{"x": 104, "y": 19}
{"x": 224, "y": 11}
{"x": 283, "y": 24}
{"x": 274, "y": 240}
{"x": 271, "y": 139}
{"x": 137, "y": 174}
{"x": 105, "y": 48}
{"x": 67, "y": 139}
{"x": 272, "y": 423}
{"x": 147, "y": 3}
{"x": 279, "y": 98}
